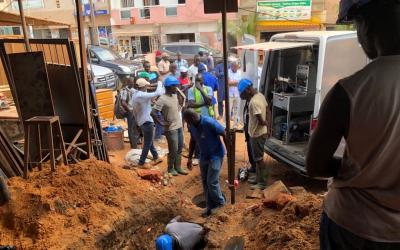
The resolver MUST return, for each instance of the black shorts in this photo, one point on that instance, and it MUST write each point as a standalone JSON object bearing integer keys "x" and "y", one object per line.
{"x": 258, "y": 144}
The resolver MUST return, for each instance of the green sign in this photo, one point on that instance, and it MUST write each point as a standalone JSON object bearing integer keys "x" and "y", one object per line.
{"x": 284, "y": 10}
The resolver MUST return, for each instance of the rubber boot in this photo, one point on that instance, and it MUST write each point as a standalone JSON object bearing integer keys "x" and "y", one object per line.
{"x": 178, "y": 166}
{"x": 172, "y": 171}
{"x": 261, "y": 179}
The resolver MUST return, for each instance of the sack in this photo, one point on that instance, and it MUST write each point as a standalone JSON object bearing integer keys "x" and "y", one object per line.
{"x": 119, "y": 111}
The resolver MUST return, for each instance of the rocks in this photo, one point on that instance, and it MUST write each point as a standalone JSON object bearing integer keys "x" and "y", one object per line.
{"x": 256, "y": 194}
{"x": 277, "y": 196}
{"x": 149, "y": 174}
{"x": 271, "y": 192}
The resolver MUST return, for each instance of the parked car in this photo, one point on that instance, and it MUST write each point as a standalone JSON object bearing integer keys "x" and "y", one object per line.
{"x": 104, "y": 57}
{"x": 103, "y": 78}
{"x": 188, "y": 50}
{"x": 299, "y": 70}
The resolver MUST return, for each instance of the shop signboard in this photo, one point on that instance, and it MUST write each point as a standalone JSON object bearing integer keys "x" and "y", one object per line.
{"x": 284, "y": 10}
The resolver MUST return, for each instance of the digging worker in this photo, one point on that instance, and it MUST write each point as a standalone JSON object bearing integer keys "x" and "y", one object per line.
{"x": 181, "y": 235}
{"x": 141, "y": 103}
{"x": 257, "y": 128}
{"x": 168, "y": 105}
{"x": 206, "y": 132}
{"x": 126, "y": 95}
{"x": 362, "y": 206}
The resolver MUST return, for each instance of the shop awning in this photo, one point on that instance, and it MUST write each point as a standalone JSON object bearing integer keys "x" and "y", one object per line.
{"x": 11, "y": 19}
{"x": 270, "y": 26}
{"x": 271, "y": 46}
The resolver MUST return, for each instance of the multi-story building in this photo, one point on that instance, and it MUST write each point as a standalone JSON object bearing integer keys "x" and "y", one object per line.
{"x": 276, "y": 16}
{"x": 140, "y": 26}
{"x": 63, "y": 11}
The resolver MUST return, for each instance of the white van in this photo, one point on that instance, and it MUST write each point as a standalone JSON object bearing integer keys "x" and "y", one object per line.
{"x": 298, "y": 71}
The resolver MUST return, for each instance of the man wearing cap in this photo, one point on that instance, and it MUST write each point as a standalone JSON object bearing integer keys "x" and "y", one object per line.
{"x": 362, "y": 206}
{"x": 206, "y": 133}
{"x": 141, "y": 103}
{"x": 180, "y": 62}
{"x": 193, "y": 69}
{"x": 163, "y": 65}
{"x": 181, "y": 235}
{"x": 169, "y": 107}
{"x": 257, "y": 128}
{"x": 234, "y": 76}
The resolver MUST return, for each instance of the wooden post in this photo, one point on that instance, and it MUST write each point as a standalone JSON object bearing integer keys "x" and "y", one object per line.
{"x": 94, "y": 38}
{"x": 230, "y": 146}
{"x": 83, "y": 75}
{"x": 24, "y": 28}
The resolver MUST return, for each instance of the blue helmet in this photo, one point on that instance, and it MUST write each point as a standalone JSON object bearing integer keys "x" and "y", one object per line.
{"x": 348, "y": 8}
{"x": 244, "y": 84}
{"x": 164, "y": 242}
{"x": 171, "y": 81}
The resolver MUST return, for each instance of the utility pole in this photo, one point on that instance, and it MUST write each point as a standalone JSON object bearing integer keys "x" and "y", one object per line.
{"x": 24, "y": 28}
{"x": 94, "y": 37}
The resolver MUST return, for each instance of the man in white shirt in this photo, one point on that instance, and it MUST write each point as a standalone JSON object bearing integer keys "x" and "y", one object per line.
{"x": 194, "y": 69}
{"x": 234, "y": 76}
{"x": 141, "y": 103}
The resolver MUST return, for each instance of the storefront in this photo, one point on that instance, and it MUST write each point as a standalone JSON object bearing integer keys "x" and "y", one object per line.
{"x": 278, "y": 16}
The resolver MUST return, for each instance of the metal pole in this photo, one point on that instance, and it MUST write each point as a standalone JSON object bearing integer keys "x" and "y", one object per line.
{"x": 93, "y": 34}
{"x": 24, "y": 28}
{"x": 83, "y": 75}
{"x": 231, "y": 162}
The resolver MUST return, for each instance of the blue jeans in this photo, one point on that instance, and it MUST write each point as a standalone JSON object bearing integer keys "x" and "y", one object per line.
{"x": 333, "y": 237}
{"x": 159, "y": 128}
{"x": 221, "y": 109}
{"x": 249, "y": 151}
{"x": 175, "y": 145}
{"x": 210, "y": 172}
{"x": 133, "y": 130}
{"x": 148, "y": 133}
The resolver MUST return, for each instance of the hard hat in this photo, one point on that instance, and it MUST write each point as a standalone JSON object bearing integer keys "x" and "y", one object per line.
{"x": 171, "y": 81}
{"x": 183, "y": 69}
{"x": 164, "y": 242}
{"x": 244, "y": 84}
{"x": 348, "y": 8}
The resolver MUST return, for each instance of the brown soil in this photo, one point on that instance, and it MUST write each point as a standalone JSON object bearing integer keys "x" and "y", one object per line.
{"x": 94, "y": 205}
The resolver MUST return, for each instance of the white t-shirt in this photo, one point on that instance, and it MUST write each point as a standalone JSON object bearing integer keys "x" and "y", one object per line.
{"x": 234, "y": 76}
{"x": 193, "y": 71}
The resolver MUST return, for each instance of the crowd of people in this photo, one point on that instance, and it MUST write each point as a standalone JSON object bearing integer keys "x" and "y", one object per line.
{"x": 160, "y": 101}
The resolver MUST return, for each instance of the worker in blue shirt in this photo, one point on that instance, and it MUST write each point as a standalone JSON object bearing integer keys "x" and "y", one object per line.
{"x": 219, "y": 73}
{"x": 206, "y": 132}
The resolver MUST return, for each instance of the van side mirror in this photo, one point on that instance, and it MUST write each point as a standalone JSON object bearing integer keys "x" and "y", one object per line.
{"x": 94, "y": 60}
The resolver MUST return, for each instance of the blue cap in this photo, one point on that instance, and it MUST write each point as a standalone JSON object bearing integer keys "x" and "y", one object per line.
{"x": 171, "y": 81}
{"x": 201, "y": 68}
{"x": 164, "y": 242}
{"x": 244, "y": 84}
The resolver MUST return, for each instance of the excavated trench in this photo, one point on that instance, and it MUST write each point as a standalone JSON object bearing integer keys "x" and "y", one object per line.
{"x": 145, "y": 223}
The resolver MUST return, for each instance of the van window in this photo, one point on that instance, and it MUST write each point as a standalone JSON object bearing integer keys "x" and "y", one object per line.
{"x": 173, "y": 49}
{"x": 189, "y": 50}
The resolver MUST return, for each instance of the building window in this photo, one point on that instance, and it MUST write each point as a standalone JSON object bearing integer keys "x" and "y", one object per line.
{"x": 181, "y": 1}
{"x": 151, "y": 2}
{"x": 125, "y": 14}
{"x": 28, "y": 4}
{"x": 171, "y": 11}
{"x": 145, "y": 13}
{"x": 127, "y": 3}
{"x": 16, "y": 30}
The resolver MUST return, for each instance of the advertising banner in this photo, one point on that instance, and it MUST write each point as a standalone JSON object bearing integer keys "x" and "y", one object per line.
{"x": 281, "y": 10}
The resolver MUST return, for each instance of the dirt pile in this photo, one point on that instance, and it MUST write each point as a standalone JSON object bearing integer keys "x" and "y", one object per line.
{"x": 296, "y": 226}
{"x": 87, "y": 205}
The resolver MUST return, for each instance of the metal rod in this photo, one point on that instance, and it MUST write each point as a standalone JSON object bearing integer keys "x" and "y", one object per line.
{"x": 230, "y": 149}
{"x": 24, "y": 29}
{"x": 83, "y": 75}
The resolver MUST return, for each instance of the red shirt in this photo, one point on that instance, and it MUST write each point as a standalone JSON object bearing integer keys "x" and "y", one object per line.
{"x": 183, "y": 81}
